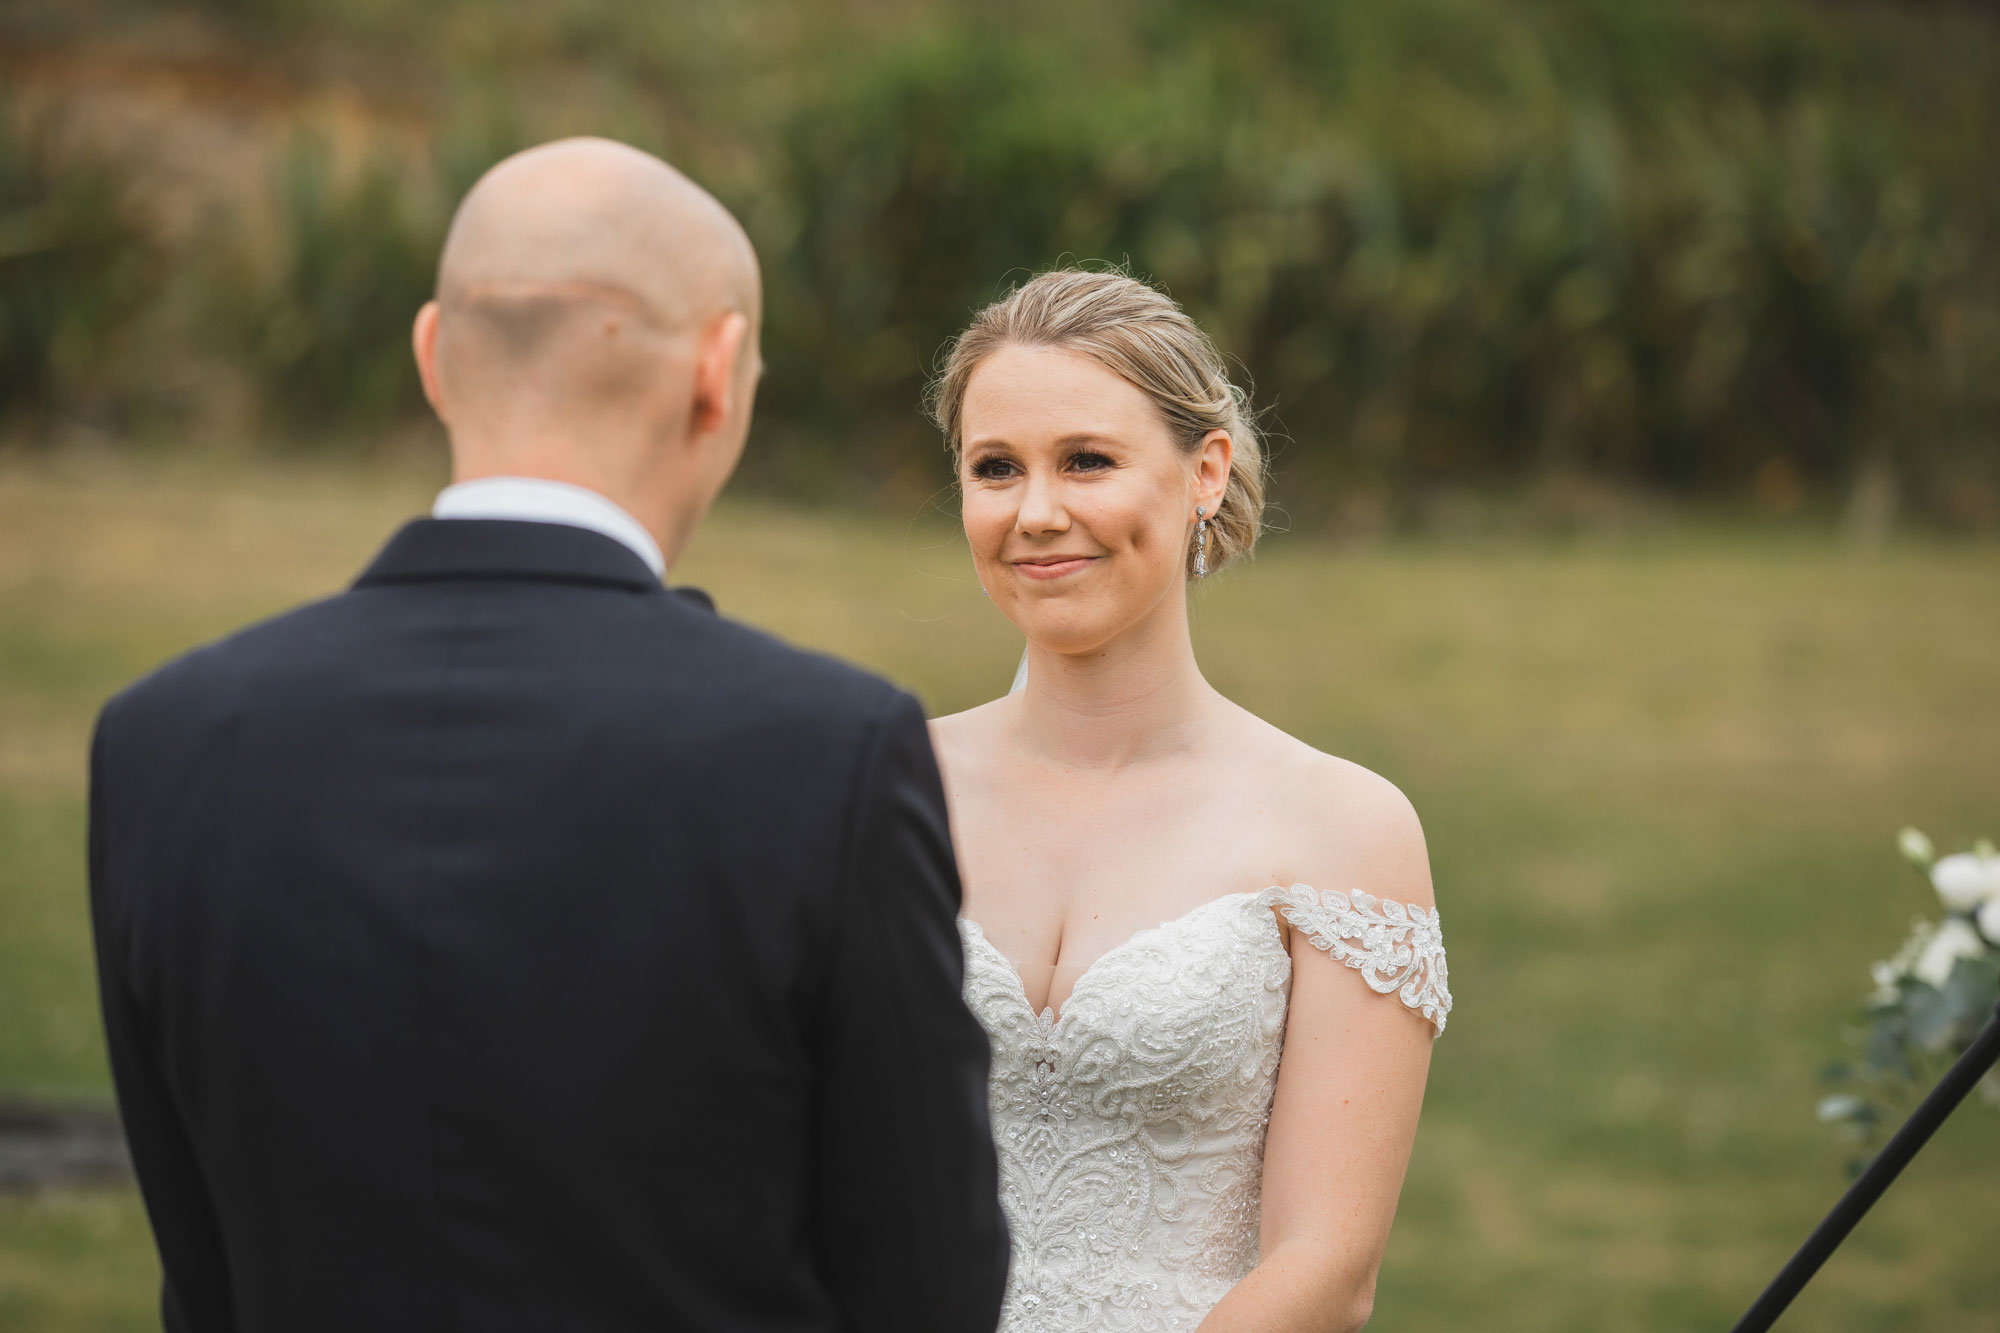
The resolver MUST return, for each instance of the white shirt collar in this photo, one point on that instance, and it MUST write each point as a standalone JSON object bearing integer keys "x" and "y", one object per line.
{"x": 538, "y": 500}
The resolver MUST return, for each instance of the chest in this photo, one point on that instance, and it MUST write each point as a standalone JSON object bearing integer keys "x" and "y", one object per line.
{"x": 1059, "y": 869}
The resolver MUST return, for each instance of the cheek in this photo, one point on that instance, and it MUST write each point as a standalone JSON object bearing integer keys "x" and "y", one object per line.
{"x": 987, "y": 521}
{"x": 1112, "y": 512}
{"x": 1137, "y": 520}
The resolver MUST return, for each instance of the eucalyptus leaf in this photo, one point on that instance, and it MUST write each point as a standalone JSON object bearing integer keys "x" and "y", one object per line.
{"x": 1968, "y": 998}
{"x": 1886, "y": 1052}
{"x": 1932, "y": 1016}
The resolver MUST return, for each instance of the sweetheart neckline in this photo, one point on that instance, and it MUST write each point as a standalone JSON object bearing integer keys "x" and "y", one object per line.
{"x": 1052, "y": 1018}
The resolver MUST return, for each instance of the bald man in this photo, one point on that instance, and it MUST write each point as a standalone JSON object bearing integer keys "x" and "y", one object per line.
{"x": 511, "y": 943}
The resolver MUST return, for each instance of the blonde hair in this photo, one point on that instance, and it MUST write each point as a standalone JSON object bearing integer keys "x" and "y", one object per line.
{"x": 1136, "y": 331}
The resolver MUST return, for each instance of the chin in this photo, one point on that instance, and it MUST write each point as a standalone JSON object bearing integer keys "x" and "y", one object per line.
{"x": 1068, "y": 625}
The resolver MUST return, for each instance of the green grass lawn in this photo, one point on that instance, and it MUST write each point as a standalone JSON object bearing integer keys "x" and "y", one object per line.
{"x": 1660, "y": 777}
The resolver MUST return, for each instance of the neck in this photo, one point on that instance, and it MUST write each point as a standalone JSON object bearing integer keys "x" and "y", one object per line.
{"x": 1138, "y": 698}
{"x": 641, "y": 492}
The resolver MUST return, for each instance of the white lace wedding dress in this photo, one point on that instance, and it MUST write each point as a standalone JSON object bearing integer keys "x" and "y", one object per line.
{"x": 1131, "y": 1128}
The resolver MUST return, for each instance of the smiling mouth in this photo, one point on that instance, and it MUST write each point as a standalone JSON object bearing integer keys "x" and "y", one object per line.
{"x": 1055, "y": 568}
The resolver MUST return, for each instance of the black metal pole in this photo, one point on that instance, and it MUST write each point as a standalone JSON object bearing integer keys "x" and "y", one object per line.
{"x": 1888, "y": 1164}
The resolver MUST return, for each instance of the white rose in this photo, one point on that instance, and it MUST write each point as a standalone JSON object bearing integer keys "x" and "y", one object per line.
{"x": 1955, "y": 939}
{"x": 1989, "y": 920}
{"x": 1966, "y": 880}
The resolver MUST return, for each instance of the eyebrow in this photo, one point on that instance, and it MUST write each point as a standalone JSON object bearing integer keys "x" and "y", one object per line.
{"x": 1071, "y": 441}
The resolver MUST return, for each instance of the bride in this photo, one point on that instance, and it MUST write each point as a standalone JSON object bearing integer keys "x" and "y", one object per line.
{"x": 1203, "y": 1117}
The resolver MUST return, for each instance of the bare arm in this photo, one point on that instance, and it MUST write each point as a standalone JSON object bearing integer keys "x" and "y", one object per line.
{"x": 1350, "y": 1087}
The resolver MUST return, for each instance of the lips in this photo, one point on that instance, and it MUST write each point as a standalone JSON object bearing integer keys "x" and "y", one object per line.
{"x": 1054, "y": 567}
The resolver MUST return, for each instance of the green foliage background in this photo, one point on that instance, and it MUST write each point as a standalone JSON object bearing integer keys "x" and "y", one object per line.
{"x": 1480, "y": 258}
{"x": 74, "y": 266}
{"x": 1740, "y": 250}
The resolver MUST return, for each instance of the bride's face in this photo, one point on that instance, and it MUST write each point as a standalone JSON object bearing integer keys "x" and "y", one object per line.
{"x": 1078, "y": 503}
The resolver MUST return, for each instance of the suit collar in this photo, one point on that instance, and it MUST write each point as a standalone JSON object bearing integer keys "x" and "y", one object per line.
{"x": 430, "y": 549}
{"x": 538, "y": 499}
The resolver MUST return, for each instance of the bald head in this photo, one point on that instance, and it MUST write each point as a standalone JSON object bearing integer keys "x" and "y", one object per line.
{"x": 590, "y": 219}
{"x": 593, "y": 306}
{"x": 567, "y": 263}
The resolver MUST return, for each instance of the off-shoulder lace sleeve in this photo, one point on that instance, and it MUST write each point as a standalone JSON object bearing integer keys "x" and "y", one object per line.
{"x": 1394, "y": 946}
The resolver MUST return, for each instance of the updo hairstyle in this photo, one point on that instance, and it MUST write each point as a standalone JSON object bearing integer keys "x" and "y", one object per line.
{"x": 1139, "y": 333}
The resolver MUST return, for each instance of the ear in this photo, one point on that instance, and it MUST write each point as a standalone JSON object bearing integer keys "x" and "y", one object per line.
{"x": 716, "y": 383}
{"x": 423, "y": 341}
{"x": 1211, "y": 469}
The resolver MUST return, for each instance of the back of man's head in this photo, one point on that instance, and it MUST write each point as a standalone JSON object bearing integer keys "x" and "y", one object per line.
{"x": 596, "y": 323}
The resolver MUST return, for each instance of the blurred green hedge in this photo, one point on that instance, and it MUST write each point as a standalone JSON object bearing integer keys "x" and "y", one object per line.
{"x": 76, "y": 265}
{"x": 1744, "y": 251}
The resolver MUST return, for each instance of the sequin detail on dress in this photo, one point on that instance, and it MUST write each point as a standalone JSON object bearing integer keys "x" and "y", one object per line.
{"x": 1131, "y": 1128}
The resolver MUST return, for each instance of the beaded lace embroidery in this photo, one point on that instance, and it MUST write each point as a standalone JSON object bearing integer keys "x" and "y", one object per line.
{"x": 1394, "y": 946}
{"x": 1131, "y": 1128}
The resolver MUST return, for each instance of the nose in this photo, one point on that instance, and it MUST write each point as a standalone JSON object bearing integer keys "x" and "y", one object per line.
{"x": 1042, "y": 511}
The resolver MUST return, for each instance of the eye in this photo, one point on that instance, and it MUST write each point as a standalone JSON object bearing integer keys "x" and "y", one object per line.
{"x": 1089, "y": 462}
{"x": 994, "y": 469}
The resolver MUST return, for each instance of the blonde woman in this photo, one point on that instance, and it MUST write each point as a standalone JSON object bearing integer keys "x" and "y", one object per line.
{"x": 1207, "y": 955}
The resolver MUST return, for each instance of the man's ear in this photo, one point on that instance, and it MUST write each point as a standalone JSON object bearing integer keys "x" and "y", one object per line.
{"x": 716, "y": 386}
{"x": 423, "y": 341}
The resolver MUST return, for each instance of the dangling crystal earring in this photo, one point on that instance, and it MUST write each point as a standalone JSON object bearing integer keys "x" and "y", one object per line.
{"x": 1201, "y": 543}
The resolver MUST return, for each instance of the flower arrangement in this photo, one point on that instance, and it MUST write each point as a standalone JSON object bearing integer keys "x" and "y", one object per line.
{"x": 1931, "y": 997}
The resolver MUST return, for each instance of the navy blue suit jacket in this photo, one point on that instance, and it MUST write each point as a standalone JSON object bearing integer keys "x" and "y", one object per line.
{"x": 510, "y": 943}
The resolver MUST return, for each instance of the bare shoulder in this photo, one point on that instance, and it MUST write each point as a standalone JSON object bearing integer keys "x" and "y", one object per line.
{"x": 1350, "y": 827}
{"x": 962, "y": 739}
